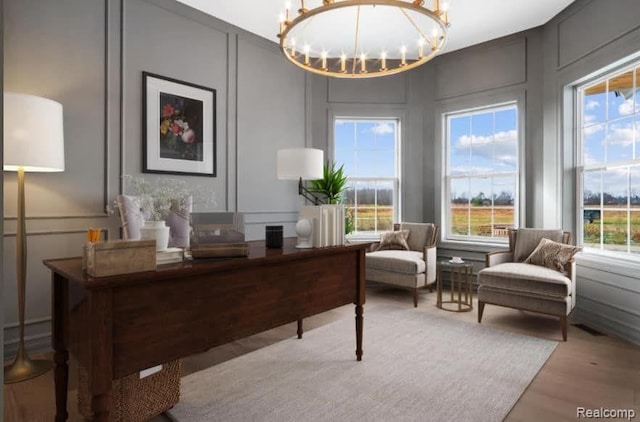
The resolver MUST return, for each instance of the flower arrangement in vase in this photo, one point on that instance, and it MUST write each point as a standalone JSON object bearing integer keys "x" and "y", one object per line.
{"x": 154, "y": 203}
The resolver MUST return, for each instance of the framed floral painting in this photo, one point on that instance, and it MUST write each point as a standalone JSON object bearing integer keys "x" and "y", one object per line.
{"x": 179, "y": 133}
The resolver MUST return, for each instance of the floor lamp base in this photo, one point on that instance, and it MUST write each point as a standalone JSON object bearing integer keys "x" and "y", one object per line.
{"x": 24, "y": 368}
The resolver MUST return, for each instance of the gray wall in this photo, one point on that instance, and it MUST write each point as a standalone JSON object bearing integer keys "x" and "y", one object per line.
{"x": 608, "y": 291}
{"x": 89, "y": 56}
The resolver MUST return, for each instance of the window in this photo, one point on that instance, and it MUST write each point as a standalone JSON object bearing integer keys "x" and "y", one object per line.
{"x": 609, "y": 162}
{"x": 369, "y": 151}
{"x": 481, "y": 173}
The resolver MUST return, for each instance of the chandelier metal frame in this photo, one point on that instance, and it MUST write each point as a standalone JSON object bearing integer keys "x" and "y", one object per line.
{"x": 356, "y": 64}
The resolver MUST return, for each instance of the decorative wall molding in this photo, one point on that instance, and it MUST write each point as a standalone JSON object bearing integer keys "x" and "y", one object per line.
{"x": 576, "y": 38}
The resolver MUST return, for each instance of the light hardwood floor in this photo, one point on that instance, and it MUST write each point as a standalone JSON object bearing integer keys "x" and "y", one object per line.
{"x": 586, "y": 371}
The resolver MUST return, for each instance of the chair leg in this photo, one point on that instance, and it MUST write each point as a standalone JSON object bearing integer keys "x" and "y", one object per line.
{"x": 480, "y": 311}
{"x": 563, "y": 324}
{"x": 430, "y": 286}
{"x": 415, "y": 298}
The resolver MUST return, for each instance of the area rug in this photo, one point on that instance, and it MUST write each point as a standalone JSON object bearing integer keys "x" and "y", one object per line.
{"x": 415, "y": 367}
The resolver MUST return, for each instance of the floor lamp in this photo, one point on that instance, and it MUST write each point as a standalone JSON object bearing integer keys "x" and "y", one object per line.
{"x": 33, "y": 142}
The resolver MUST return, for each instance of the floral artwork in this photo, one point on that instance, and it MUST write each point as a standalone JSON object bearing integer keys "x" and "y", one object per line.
{"x": 179, "y": 127}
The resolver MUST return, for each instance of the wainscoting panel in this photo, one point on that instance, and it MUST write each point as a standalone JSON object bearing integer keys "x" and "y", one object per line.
{"x": 271, "y": 116}
{"x": 577, "y": 37}
{"x": 387, "y": 90}
{"x": 500, "y": 64}
{"x": 608, "y": 300}
{"x": 58, "y": 241}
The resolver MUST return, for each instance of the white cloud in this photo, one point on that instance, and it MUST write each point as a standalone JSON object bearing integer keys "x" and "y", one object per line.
{"x": 627, "y": 107}
{"x": 382, "y": 128}
{"x": 591, "y": 105}
{"x": 502, "y": 147}
{"x": 622, "y": 134}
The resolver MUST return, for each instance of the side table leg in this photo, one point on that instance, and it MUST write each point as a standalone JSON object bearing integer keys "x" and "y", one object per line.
{"x": 300, "y": 332}
{"x": 61, "y": 375}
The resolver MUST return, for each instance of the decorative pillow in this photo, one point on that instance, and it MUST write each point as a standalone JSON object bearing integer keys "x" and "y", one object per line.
{"x": 551, "y": 254}
{"x": 394, "y": 240}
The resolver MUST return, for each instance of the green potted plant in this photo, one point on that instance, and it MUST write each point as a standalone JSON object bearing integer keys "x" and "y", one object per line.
{"x": 332, "y": 184}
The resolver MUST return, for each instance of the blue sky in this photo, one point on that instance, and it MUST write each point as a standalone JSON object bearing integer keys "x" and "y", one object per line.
{"x": 483, "y": 143}
{"x": 374, "y": 146}
{"x": 611, "y": 128}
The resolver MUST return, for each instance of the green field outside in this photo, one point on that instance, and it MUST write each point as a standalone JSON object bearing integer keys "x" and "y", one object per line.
{"x": 479, "y": 220}
{"x": 614, "y": 224}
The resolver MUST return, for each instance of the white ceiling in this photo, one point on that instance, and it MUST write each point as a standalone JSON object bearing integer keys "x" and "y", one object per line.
{"x": 472, "y": 21}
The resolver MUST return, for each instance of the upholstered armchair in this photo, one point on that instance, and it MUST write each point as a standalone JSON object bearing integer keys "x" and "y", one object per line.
{"x": 134, "y": 212}
{"x": 536, "y": 274}
{"x": 410, "y": 265}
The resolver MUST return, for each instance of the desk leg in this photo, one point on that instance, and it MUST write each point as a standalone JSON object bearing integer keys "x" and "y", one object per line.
{"x": 59, "y": 306}
{"x": 100, "y": 407}
{"x": 300, "y": 328}
{"x": 61, "y": 358}
{"x": 359, "y": 323}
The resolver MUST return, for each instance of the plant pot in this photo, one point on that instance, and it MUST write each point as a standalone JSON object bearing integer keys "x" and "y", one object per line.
{"x": 157, "y": 230}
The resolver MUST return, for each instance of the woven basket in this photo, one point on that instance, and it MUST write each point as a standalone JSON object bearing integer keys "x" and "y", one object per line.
{"x": 134, "y": 399}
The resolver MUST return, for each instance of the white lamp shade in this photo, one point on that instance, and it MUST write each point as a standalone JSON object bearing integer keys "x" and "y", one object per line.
{"x": 33, "y": 133}
{"x": 296, "y": 163}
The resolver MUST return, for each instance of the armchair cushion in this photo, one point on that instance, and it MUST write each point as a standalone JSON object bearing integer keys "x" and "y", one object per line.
{"x": 528, "y": 239}
{"x": 421, "y": 235}
{"x": 406, "y": 262}
{"x": 551, "y": 254}
{"x": 526, "y": 278}
{"x": 394, "y": 240}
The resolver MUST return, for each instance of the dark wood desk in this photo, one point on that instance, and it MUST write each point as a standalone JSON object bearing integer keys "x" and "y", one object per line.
{"x": 122, "y": 324}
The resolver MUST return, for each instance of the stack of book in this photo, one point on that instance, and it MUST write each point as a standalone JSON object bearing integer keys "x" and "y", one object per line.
{"x": 169, "y": 256}
{"x": 218, "y": 235}
{"x": 327, "y": 222}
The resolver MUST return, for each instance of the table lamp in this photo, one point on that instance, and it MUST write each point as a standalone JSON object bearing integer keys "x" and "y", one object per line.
{"x": 33, "y": 141}
{"x": 302, "y": 164}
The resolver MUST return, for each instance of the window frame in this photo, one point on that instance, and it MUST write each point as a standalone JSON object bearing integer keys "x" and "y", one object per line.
{"x": 516, "y": 96}
{"x": 374, "y": 116}
{"x": 603, "y": 75}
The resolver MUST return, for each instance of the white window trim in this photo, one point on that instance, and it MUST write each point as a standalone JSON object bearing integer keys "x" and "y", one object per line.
{"x": 361, "y": 112}
{"x": 577, "y": 87}
{"x": 472, "y": 107}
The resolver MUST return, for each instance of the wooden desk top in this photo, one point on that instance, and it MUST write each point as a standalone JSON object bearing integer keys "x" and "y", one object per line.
{"x": 259, "y": 254}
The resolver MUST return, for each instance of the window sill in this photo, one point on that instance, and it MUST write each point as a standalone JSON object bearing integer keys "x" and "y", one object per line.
{"x": 627, "y": 267}
{"x": 461, "y": 245}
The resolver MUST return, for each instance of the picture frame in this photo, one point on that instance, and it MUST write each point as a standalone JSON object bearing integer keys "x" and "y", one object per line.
{"x": 179, "y": 127}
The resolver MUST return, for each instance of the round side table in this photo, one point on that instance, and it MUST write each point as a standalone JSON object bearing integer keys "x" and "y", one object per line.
{"x": 461, "y": 281}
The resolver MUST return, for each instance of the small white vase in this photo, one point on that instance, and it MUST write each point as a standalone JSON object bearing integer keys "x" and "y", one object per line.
{"x": 304, "y": 229}
{"x": 157, "y": 230}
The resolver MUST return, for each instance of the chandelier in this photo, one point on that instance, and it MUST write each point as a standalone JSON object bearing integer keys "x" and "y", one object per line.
{"x": 341, "y": 38}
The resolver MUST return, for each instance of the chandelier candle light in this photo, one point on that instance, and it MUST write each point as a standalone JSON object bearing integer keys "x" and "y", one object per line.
{"x": 340, "y": 38}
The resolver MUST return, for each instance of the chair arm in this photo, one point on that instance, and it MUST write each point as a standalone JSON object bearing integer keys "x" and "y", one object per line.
{"x": 373, "y": 246}
{"x": 498, "y": 257}
{"x": 430, "y": 255}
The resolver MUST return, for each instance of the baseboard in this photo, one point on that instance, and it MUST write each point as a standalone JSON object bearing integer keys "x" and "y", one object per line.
{"x": 37, "y": 338}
